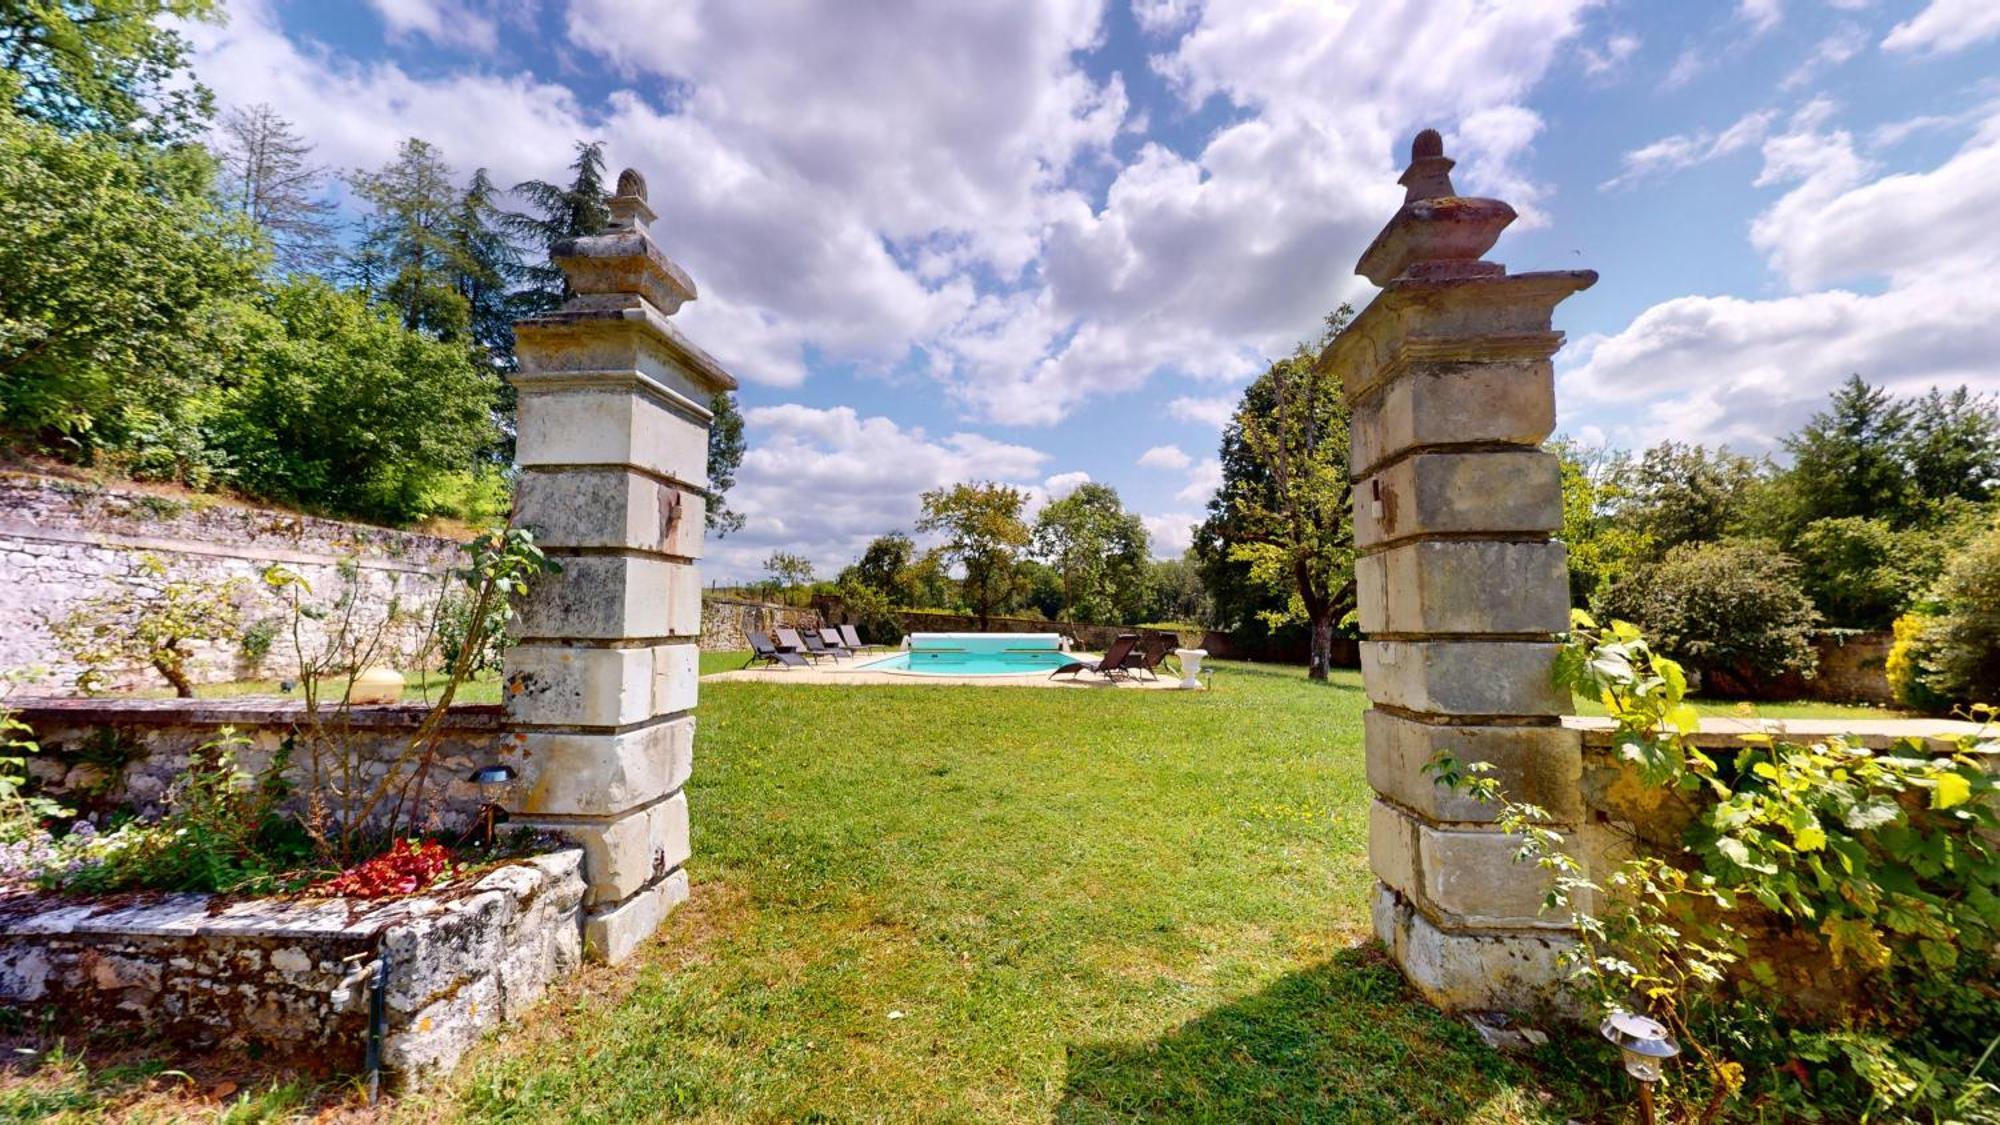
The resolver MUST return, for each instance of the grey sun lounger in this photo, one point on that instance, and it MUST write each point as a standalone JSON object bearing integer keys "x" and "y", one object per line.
{"x": 852, "y": 638}
{"x": 762, "y": 650}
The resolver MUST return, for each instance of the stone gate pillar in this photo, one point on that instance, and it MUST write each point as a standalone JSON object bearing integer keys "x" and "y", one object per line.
{"x": 1460, "y": 585}
{"x": 613, "y": 454}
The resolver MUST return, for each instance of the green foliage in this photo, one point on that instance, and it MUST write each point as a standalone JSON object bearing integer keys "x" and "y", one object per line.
{"x": 1279, "y": 538}
{"x": 340, "y": 408}
{"x": 1863, "y": 573}
{"x": 874, "y": 614}
{"x": 1175, "y": 592}
{"x": 150, "y": 618}
{"x": 21, "y": 812}
{"x": 559, "y": 213}
{"x": 1963, "y": 641}
{"x": 888, "y": 566}
{"x": 410, "y": 255}
{"x": 1911, "y": 662}
{"x": 1675, "y": 494}
{"x": 1097, "y": 550}
{"x": 1888, "y": 863}
{"x": 789, "y": 576}
{"x": 224, "y": 830}
{"x": 725, "y": 456}
{"x": 120, "y": 271}
{"x": 254, "y": 646}
{"x": 1733, "y": 610}
{"x": 1869, "y": 455}
{"x": 984, "y": 536}
{"x": 103, "y": 66}
{"x": 1601, "y": 550}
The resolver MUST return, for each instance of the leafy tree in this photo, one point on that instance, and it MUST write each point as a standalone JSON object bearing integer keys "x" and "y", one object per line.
{"x": 118, "y": 268}
{"x": 558, "y": 213}
{"x": 1175, "y": 593}
{"x": 1601, "y": 550}
{"x": 1733, "y": 610}
{"x": 983, "y": 536}
{"x": 788, "y": 572}
{"x": 1845, "y": 461}
{"x": 1963, "y": 642}
{"x": 1677, "y": 493}
{"x": 1098, "y": 552}
{"x": 341, "y": 408}
{"x": 1283, "y": 511}
{"x": 1039, "y": 589}
{"x": 411, "y": 255}
{"x": 268, "y": 175}
{"x": 725, "y": 456}
{"x": 103, "y": 66}
{"x": 1863, "y": 573}
{"x": 150, "y": 618}
{"x": 886, "y": 566}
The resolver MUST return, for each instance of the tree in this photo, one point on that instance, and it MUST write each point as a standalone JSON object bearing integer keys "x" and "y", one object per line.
{"x": 1733, "y": 610}
{"x": 725, "y": 455}
{"x": 1599, "y": 548}
{"x": 559, "y": 213}
{"x": 1098, "y": 552}
{"x": 1951, "y": 446}
{"x": 150, "y": 618}
{"x": 1283, "y": 512}
{"x": 788, "y": 572}
{"x": 886, "y": 566}
{"x": 1863, "y": 573}
{"x": 1846, "y": 460}
{"x": 410, "y": 256}
{"x": 104, "y": 66}
{"x": 118, "y": 270}
{"x": 983, "y": 536}
{"x": 340, "y": 408}
{"x": 268, "y": 175}
{"x": 1677, "y": 493}
{"x": 1175, "y": 593}
{"x": 486, "y": 269}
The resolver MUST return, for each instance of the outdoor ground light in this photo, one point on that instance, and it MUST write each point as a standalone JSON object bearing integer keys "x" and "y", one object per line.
{"x": 492, "y": 781}
{"x": 1644, "y": 1045}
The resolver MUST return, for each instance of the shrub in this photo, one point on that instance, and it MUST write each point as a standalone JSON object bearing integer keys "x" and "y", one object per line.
{"x": 1732, "y": 610}
{"x": 1910, "y": 663}
{"x": 875, "y": 617}
{"x": 151, "y": 618}
{"x": 1963, "y": 642}
{"x": 1862, "y": 573}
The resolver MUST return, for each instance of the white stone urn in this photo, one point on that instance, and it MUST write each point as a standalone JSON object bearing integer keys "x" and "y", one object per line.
{"x": 376, "y": 685}
{"x": 1190, "y": 659}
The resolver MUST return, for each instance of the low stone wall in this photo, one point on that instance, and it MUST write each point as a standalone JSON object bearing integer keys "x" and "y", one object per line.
{"x": 724, "y": 621}
{"x": 1853, "y": 668}
{"x": 63, "y": 542}
{"x": 295, "y": 978}
{"x": 98, "y": 754}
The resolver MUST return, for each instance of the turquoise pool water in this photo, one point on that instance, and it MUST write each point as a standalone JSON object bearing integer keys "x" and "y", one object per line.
{"x": 976, "y": 654}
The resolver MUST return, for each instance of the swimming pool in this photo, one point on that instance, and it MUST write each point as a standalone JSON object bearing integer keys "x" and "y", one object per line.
{"x": 976, "y": 654}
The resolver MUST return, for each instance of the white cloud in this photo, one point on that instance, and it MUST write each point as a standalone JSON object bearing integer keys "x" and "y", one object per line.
{"x": 1945, "y": 26}
{"x": 1840, "y": 45}
{"x": 1722, "y": 368}
{"x": 1598, "y": 61}
{"x": 1062, "y": 484}
{"x": 1688, "y": 66}
{"x": 1761, "y": 15}
{"x": 448, "y": 23}
{"x": 823, "y": 482}
{"x": 1214, "y": 410}
{"x": 1171, "y": 533}
{"x": 1170, "y": 457}
{"x": 1203, "y": 479}
{"x": 1685, "y": 150}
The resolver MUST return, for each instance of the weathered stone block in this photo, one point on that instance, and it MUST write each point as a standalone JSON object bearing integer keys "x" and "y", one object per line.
{"x": 676, "y": 678}
{"x": 626, "y": 852}
{"x": 1463, "y": 677}
{"x": 614, "y": 597}
{"x": 1392, "y": 847}
{"x": 1511, "y": 401}
{"x": 1509, "y": 492}
{"x": 1462, "y": 971}
{"x": 609, "y": 507}
{"x": 1469, "y": 586}
{"x": 1534, "y": 765}
{"x": 557, "y": 685}
{"x": 1476, "y": 878}
{"x": 613, "y": 933}
{"x": 563, "y": 774}
{"x": 615, "y": 427}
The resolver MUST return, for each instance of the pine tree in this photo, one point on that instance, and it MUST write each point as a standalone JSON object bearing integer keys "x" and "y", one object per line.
{"x": 268, "y": 175}
{"x": 409, "y": 256}
{"x": 1847, "y": 462}
{"x": 558, "y": 213}
{"x": 488, "y": 270}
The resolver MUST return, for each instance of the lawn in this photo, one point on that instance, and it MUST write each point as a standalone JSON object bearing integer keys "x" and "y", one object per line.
{"x": 958, "y": 903}
{"x": 947, "y": 903}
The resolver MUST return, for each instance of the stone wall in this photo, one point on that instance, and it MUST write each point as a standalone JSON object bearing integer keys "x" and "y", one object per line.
{"x": 101, "y": 754}
{"x": 63, "y": 542}
{"x": 294, "y": 978}
{"x": 725, "y": 621}
{"x": 1853, "y": 668}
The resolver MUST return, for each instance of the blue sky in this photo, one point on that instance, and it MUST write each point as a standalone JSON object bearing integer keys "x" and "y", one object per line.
{"x": 1033, "y": 241}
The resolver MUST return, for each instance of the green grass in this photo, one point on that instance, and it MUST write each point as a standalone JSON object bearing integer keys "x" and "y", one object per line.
{"x": 961, "y": 903}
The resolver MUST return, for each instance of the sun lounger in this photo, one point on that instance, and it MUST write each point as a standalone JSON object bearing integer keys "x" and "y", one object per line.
{"x": 814, "y": 647}
{"x": 834, "y": 643}
{"x": 1148, "y": 659}
{"x": 852, "y": 638}
{"x": 762, "y": 650}
{"x": 1111, "y": 666}
{"x": 791, "y": 640}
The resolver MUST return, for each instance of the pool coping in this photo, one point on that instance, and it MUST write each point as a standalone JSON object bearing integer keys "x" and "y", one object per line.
{"x": 843, "y": 672}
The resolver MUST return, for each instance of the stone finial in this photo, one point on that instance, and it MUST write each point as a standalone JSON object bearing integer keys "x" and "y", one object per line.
{"x": 629, "y": 208}
{"x": 1438, "y": 234}
{"x": 1429, "y": 173}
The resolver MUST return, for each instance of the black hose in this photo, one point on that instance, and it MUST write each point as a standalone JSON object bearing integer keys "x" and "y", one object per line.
{"x": 377, "y": 1017}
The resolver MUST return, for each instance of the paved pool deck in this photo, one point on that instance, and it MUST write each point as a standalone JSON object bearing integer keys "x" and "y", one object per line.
{"x": 855, "y": 671}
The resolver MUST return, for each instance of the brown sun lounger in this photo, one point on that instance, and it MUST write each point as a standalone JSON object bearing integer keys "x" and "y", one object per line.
{"x": 1111, "y": 666}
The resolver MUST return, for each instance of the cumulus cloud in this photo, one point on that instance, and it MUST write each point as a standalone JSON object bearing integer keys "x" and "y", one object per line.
{"x": 1169, "y": 457}
{"x": 1171, "y": 533}
{"x": 1212, "y": 410}
{"x": 1599, "y": 61}
{"x": 1945, "y": 26}
{"x": 1748, "y": 371}
{"x": 448, "y": 23}
{"x": 1203, "y": 479}
{"x": 823, "y": 482}
{"x": 1062, "y": 484}
{"x": 1761, "y": 15}
{"x": 1685, "y": 150}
